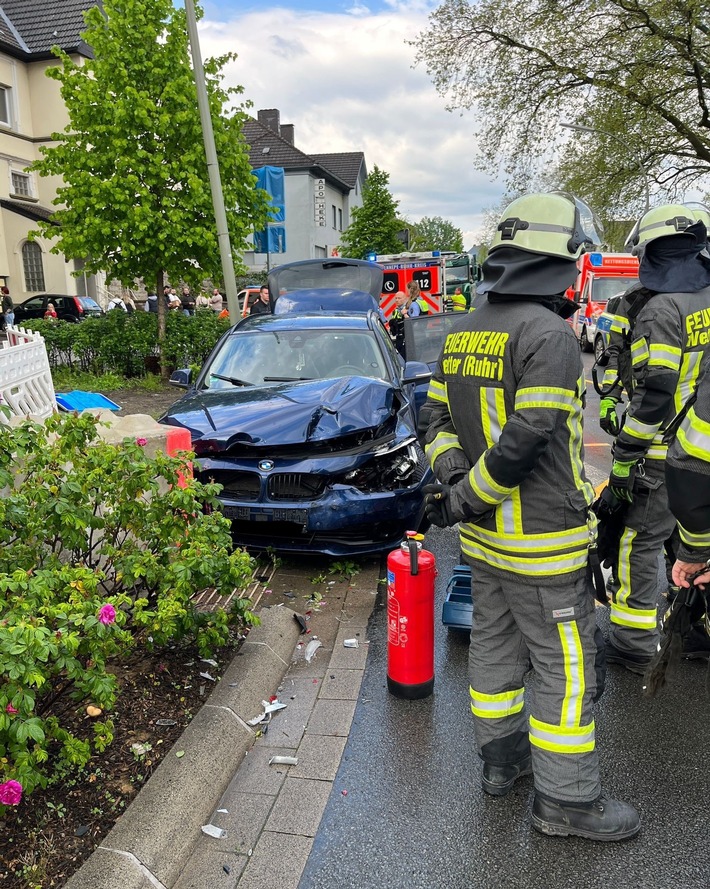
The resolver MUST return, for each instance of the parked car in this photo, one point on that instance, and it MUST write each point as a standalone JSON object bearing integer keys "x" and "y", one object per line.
{"x": 307, "y": 419}
{"x": 68, "y": 308}
{"x": 603, "y": 326}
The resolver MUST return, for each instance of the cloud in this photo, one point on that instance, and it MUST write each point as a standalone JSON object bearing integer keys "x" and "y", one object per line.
{"x": 348, "y": 82}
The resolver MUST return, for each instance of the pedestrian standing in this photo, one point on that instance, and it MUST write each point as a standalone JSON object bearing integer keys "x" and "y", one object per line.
{"x": 503, "y": 421}
{"x": 262, "y": 305}
{"x": 666, "y": 349}
{"x": 202, "y": 301}
{"x": 216, "y": 301}
{"x": 151, "y": 303}
{"x": 8, "y": 307}
{"x": 187, "y": 301}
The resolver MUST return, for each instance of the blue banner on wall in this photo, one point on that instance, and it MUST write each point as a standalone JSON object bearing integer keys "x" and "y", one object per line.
{"x": 273, "y": 238}
{"x": 270, "y": 240}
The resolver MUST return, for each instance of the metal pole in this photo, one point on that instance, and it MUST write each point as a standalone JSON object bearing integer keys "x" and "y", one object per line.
{"x": 220, "y": 215}
{"x": 580, "y": 128}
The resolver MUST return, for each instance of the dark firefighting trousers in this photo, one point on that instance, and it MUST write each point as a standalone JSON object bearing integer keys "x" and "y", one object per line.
{"x": 648, "y": 524}
{"x": 547, "y": 624}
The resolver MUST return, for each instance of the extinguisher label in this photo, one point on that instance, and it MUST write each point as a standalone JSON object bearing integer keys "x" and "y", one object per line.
{"x": 396, "y": 621}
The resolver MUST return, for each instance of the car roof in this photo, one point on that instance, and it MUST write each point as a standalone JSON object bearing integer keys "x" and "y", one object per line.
{"x": 311, "y": 320}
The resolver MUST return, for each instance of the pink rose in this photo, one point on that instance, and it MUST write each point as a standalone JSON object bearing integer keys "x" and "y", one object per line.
{"x": 10, "y": 793}
{"x": 107, "y": 614}
{"x": 11, "y": 710}
{"x": 142, "y": 442}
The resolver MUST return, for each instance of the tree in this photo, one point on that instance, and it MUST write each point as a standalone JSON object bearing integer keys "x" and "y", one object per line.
{"x": 135, "y": 198}
{"x": 636, "y": 72}
{"x": 435, "y": 233}
{"x": 375, "y": 225}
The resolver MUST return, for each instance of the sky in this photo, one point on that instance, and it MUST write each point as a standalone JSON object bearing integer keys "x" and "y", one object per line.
{"x": 343, "y": 74}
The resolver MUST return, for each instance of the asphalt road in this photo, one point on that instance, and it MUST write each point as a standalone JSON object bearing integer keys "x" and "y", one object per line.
{"x": 407, "y": 810}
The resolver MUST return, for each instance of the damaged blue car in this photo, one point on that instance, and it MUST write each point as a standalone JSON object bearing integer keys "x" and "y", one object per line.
{"x": 306, "y": 417}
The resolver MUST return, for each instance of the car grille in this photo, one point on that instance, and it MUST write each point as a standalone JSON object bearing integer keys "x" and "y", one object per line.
{"x": 239, "y": 485}
{"x": 295, "y": 486}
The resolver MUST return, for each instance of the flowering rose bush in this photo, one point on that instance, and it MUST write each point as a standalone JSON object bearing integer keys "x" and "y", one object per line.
{"x": 10, "y": 793}
{"x": 100, "y": 551}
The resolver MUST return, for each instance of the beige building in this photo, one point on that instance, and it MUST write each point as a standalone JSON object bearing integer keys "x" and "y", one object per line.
{"x": 31, "y": 109}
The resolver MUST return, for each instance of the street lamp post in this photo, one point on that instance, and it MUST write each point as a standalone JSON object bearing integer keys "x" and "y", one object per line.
{"x": 225, "y": 249}
{"x": 580, "y": 128}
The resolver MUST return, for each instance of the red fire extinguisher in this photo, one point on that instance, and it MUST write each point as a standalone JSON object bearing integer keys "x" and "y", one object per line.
{"x": 411, "y": 571}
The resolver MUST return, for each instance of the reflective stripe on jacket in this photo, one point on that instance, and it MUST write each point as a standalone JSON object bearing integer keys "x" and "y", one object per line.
{"x": 688, "y": 476}
{"x": 504, "y": 415}
{"x": 668, "y": 343}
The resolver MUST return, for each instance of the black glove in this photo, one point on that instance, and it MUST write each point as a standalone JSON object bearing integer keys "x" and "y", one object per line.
{"x": 437, "y": 505}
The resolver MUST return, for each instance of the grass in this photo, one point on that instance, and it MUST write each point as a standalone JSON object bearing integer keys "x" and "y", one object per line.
{"x": 65, "y": 379}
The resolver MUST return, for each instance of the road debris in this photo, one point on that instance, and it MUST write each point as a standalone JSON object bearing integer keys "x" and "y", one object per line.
{"x": 311, "y": 649}
{"x": 351, "y": 643}
{"x": 283, "y": 761}
{"x": 213, "y": 831}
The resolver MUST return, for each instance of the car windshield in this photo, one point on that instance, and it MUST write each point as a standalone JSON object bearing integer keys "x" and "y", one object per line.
{"x": 605, "y": 288}
{"x": 88, "y": 303}
{"x": 268, "y": 357}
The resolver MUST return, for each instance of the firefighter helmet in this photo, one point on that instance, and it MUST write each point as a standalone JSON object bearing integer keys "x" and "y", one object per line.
{"x": 700, "y": 212}
{"x": 551, "y": 224}
{"x": 661, "y": 222}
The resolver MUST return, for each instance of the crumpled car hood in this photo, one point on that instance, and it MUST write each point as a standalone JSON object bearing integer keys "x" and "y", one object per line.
{"x": 290, "y": 413}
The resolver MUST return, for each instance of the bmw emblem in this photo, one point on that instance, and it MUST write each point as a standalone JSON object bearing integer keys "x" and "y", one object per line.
{"x": 266, "y": 465}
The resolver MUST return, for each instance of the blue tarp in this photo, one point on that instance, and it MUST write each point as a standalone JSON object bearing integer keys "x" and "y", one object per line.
{"x": 81, "y": 401}
{"x": 272, "y": 239}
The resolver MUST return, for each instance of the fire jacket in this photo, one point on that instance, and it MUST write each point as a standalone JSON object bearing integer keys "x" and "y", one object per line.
{"x": 669, "y": 339}
{"x": 688, "y": 476}
{"x": 503, "y": 423}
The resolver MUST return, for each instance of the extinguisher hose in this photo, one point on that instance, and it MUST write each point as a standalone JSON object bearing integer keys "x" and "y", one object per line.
{"x": 413, "y": 557}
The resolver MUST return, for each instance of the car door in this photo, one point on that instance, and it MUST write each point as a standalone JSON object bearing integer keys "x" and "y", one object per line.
{"x": 34, "y": 307}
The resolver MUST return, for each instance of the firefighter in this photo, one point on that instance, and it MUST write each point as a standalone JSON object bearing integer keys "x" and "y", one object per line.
{"x": 503, "y": 434}
{"x": 688, "y": 480}
{"x": 666, "y": 350}
{"x": 458, "y": 301}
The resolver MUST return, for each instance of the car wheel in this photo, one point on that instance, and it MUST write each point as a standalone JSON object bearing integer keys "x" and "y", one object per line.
{"x": 598, "y": 348}
{"x": 584, "y": 343}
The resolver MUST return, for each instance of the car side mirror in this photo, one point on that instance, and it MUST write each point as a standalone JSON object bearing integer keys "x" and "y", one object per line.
{"x": 416, "y": 372}
{"x": 181, "y": 378}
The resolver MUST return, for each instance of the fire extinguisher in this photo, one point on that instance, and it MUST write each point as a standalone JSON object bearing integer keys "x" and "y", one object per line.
{"x": 411, "y": 571}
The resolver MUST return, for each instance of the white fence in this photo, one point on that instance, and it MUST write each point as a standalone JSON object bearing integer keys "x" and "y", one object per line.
{"x": 26, "y": 383}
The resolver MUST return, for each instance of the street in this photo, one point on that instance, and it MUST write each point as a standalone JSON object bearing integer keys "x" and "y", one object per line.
{"x": 407, "y": 810}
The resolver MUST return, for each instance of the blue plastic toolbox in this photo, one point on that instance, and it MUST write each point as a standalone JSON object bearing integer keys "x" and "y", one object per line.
{"x": 458, "y": 606}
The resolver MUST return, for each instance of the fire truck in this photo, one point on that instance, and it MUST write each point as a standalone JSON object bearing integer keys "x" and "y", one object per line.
{"x": 428, "y": 269}
{"x": 600, "y": 276}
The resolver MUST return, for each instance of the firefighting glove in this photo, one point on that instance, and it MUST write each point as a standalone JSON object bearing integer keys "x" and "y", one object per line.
{"x": 608, "y": 419}
{"x": 621, "y": 480}
{"x": 437, "y": 505}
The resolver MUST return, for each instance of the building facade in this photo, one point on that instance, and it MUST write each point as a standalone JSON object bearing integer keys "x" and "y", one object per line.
{"x": 31, "y": 109}
{"x": 321, "y": 190}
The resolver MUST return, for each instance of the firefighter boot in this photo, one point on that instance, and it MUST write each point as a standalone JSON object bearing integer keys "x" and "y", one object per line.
{"x": 634, "y": 662}
{"x": 605, "y": 820}
{"x": 504, "y": 761}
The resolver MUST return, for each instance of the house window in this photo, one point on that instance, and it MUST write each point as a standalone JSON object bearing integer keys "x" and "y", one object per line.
{"x": 21, "y": 185}
{"x": 5, "y": 106}
{"x": 334, "y": 215}
{"x": 32, "y": 265}
{"x": 340, "y": 220}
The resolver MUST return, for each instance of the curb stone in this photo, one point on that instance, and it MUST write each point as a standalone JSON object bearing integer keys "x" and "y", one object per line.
{"x": 152, "y": 841}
